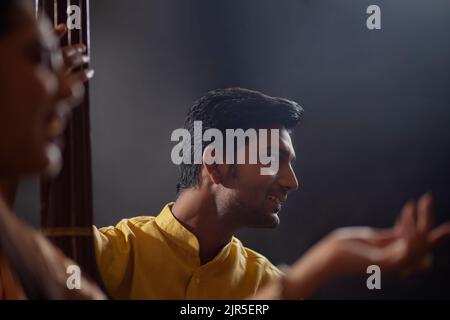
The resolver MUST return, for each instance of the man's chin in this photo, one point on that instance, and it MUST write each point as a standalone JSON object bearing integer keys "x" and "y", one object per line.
{"x": 269, "y": 221}
{"x": 274, "y": 220}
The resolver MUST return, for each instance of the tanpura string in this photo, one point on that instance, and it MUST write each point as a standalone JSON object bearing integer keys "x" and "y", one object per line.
{"x": 36, "y": 8}
{"x": 55, "y": 13}
{"x": 73, "y": 238}
{"x": 69, "y": 32}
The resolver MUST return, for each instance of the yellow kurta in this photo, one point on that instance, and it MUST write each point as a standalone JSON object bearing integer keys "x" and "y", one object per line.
{"x": 158, "y": 258}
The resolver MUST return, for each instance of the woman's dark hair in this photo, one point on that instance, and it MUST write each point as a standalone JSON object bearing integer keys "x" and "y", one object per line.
{"x": 6, "y": 8}
{"x": 235, "y": 108}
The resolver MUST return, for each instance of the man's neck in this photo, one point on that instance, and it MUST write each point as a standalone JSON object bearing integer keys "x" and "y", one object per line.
{"x": 198, "y": 213}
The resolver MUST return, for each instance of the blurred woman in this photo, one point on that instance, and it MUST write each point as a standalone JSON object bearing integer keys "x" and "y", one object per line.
{"x": 37, "y": 91}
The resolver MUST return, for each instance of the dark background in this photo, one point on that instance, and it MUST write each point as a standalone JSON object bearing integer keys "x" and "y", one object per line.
{"x": 376, "y": 129}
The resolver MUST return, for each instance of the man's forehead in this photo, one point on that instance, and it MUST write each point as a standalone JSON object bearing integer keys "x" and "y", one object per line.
{"x": 286, "y": 142}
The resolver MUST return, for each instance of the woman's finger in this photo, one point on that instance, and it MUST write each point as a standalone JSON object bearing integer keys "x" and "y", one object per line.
{"x": 76, "y": 61}
{"x": 73, "y": 49}
{"x": 82, "y": 75}
{"x": 407, "y": 225}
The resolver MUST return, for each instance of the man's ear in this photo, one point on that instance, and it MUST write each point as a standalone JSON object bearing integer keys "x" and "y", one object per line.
{"x": 213, "y": 169}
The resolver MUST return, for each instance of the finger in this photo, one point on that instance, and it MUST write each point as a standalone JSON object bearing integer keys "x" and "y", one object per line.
{"x": 85, "y": 75}
{"x": 73, "y": 49}
{"x": 73, "y": 90}
{"x": 82, "y": 75}
{"x": 407, "y": 225}
{"x": 76, "y": 61}
{"x": 60, "y": 30}
{"x": 439, "y": 234}
{"x": 424, "y": 213}
{"x": 400, "y": 223}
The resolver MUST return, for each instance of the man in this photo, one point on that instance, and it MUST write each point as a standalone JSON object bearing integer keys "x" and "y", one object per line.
{"x": 189, "y": 252}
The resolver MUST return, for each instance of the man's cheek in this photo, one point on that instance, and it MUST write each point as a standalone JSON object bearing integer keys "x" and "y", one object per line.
{"x": 272, "y": 170}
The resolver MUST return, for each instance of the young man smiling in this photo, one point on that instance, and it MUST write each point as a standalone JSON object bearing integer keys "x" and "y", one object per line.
{"x": 188, "y": 251}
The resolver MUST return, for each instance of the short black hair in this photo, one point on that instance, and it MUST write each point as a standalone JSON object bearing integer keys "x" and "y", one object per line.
{"x": 234, "y": 108}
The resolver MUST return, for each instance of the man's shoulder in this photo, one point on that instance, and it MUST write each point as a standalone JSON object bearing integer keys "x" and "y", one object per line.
{"x": 254, "y": 257}
{"x": 128, "y": 228}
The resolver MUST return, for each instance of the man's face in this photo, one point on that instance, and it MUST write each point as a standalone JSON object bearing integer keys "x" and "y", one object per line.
{"x": 33, "y": 111}
{"x": 255, "y": 199}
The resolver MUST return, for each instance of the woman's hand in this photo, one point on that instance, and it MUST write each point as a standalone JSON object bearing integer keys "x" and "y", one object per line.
{"x": 74, "y": 71}
{"x": 75, "y": 59}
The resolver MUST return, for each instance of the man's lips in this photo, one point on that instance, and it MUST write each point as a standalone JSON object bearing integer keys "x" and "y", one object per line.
{"x": 277, "y": 200}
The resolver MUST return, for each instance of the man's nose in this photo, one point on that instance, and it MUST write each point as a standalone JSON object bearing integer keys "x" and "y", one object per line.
{"x": 288, "y": 179}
